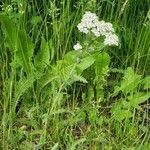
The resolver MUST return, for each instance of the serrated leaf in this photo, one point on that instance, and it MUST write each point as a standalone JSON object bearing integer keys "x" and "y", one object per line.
{"x": 43, "y": 56}
{"x": 66, "y": 72}
{"x": 78, "y": 78}
{"x": 121, "y": 110}
{"x": 121, "y": 114}
{"x": 46, "y": 79}
{"x": 71, "y": 57}
{"x": 84, "y": 64}
{"x": 129, "y": 83}
{"x": 22, "y": 86}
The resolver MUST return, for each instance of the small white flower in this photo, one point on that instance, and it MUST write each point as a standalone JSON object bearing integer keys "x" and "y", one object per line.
{"x": 96, "y": 32}
{"x": 77, "y": 47}
{"x": 81, "y": 27}
{"x": 111, "y": 39}
{"x": 88, "y": 21}
{"x": 104, "y": 28}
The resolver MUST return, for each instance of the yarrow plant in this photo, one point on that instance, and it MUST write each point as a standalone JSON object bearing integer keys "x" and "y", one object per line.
{"x": 99, "y": 34}
{"x": 91, "y": 24}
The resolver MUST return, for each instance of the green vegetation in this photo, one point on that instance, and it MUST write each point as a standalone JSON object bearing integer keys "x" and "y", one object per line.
{"x": 55, "y": 97}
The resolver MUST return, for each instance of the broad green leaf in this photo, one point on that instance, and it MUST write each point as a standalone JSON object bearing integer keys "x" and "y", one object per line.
{"x": 71, "y": 57}
{"x": 138, "y": 98}
{"x": 101, "y": 69}
{"x": 64, "y": 71}
{"x": 68, "y": 72}
{"x": 102, "y": 61}
{"x": 24, "y": 51}
{"x": 84, "y": 64}
{"x": 43, "y": 56}
{"x": 10, "y": 30}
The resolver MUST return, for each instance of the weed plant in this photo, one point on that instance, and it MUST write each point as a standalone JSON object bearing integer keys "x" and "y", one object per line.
{"x": 58, "y": 95}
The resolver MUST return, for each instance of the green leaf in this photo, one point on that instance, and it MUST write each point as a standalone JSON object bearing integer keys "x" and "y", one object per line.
{"x": 46, "y": 79}
{"x": 69, "y": 70}
{"x": 22, "y": 86}
{"x": 102, "y": 61}
{"x": 138, "y": 98}
{"x": 121, "y": 110}
{"x": 71, "y": 57}
{"x": 146, "y": 82}
{"x": 10, "y": 30}
{"x": 64, "y": 71}
{"x": 43, "y": 56}
{"x": 129, "y": 83}
{"x": 120, "y": 113}
{"x": 19, "y": 42}
{"x": 41, "y": 143}
{"x": 76, "y": 77}
{"x": 74, "y": 58}
{"x": 84, "y": 64}
{"x": 24, "y": 51}
{"x": 101, "y": 66}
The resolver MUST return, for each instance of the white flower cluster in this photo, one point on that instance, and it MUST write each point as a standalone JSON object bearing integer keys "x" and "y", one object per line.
{"x": 90, "y": 23}
{"x": 111, "y": 39}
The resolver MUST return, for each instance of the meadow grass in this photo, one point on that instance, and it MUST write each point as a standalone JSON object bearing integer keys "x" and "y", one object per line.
{"x": 37, "y": 112}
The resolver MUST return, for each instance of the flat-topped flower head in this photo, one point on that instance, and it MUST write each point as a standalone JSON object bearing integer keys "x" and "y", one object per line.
{"x": 77, "y": 46}
{"x": 88, "y": 21}
{"x": 104, "y": 28}
{"x": 111, "y": 39}
{"x": 91, "y": 24}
